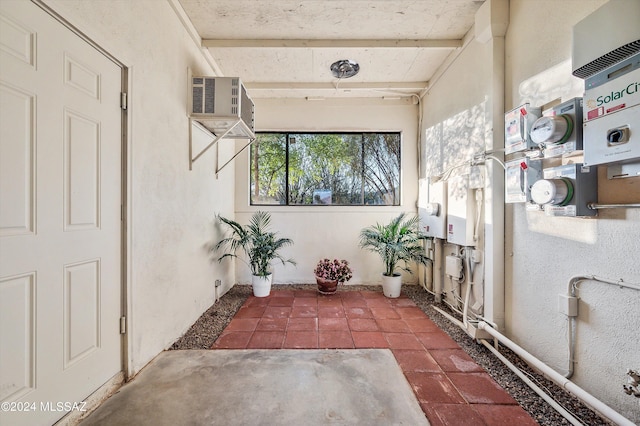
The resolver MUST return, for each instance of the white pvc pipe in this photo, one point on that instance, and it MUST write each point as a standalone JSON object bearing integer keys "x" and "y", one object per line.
{"x": 437, "y": 270}
{"x": 556, "y": 377}
{"x": 559, "y": 408}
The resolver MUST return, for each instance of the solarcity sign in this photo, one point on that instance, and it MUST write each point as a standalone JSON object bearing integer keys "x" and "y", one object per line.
{"x": 629, "y": 90}
{"x": 618, "y": 94}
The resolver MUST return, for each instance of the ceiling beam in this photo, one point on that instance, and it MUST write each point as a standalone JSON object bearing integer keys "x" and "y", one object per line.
{"x": 329, "y": 43}
{"x": 341, "y": 85}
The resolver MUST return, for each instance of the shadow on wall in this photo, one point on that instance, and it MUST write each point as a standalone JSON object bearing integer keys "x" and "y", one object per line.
{"x": 453, "y": 141}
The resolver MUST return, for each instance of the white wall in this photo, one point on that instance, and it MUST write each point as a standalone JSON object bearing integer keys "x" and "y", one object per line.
{"x": 170, "y": 278}
{"x": 542, "y": 253}
{"x": 331, "y": 231}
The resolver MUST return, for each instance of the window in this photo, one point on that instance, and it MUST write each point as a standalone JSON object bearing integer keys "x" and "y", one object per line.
{"x": 325, "y": 168}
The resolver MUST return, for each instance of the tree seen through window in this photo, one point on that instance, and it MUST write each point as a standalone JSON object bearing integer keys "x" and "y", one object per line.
{"x": 325, "y": 168}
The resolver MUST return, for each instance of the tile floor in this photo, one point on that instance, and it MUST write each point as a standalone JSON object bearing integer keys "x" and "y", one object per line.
{"x": 450, "y": 387}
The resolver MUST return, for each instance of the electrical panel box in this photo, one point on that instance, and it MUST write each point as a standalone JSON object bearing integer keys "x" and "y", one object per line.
{"x": 520, "y": 175}
{"x": 612, "y": 114}
{"x": 432, "y": 208}
{"x": 517, "y": 128}
{"x": 461, "y": 214}
{"x": 559, "y": 130}
{"x": 567, "y": 190}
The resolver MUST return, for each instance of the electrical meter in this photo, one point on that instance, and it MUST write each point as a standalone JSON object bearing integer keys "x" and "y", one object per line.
{"x": 567, "y": 190}
{"x": 520, "y": 174}
{"x": 517, "y": 126}
{"x": 559, "y": 131}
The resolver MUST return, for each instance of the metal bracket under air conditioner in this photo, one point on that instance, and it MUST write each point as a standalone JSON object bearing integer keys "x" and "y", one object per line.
{"x": 216, "y": 138}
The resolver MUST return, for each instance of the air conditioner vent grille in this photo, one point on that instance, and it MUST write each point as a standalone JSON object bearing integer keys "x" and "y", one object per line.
{"x": 605, "y": 61}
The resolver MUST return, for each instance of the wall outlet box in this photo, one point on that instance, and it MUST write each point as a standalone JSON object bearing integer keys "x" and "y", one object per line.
{"x": 568, "y": 305}
{"x": 453, "y": 267}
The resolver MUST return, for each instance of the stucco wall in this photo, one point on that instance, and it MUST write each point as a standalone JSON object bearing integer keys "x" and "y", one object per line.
{"x": 543, "y": 253}
{"x": 170, "y": 278}
{"x": 331, "y": 231}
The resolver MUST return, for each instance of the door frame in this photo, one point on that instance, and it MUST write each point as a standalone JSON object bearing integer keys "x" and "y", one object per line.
{"x": 125, "y": 200}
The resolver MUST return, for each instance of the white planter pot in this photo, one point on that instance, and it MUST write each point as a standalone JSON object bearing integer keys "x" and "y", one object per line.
{"x": 261, "y": 285}
{"x": 391, "y": 286}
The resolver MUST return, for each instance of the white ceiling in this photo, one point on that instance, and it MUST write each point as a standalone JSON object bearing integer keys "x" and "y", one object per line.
{"x": 284, "y": 48}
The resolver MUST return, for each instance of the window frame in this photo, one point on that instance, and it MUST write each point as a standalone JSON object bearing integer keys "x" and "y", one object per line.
{"x": 288, "y": 133}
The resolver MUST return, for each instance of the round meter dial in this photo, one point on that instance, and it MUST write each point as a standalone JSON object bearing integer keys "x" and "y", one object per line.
{"x": 557, "y": 192}
{"x": 553, "y": 129}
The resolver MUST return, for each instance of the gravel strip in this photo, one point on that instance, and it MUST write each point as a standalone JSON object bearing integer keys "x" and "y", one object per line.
{"x": 204, "y": 332}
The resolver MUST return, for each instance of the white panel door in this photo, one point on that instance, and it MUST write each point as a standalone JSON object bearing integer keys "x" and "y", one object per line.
{"x": 60, "y": 219}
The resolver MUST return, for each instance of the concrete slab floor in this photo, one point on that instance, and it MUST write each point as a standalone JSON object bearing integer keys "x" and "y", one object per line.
{"x": 265, "y": 387}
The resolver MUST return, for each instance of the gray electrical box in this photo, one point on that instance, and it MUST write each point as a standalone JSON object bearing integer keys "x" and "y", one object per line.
{"x": 520, "y": 174}
{"x": 559, "y": 131}
{"x": 567, "y": 190}
{"x": 517, "y": 125}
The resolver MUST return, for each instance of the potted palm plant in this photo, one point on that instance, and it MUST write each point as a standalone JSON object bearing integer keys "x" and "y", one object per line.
{"x": 259, "y": 246}
{"x": 398, "y": 244}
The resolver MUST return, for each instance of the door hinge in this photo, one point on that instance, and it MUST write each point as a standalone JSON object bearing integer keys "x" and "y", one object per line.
{"x": 123, "y": 325}
{"x": 123, "y": 100}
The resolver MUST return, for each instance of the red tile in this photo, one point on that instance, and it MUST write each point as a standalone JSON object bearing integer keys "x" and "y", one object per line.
{"x": 305, "y": 301}
{"x": 384, "y": 313}
{"x": 393, "y": 326}
{"x": 272, "y": 324}
{"x": 379, "y": 303}
{"x": 253, "y": 301}
{"x": 355, "y": 303}
{"x": 362, "y": 324}
{"x": 305, "y": 294}
{"x": 275, "y": 292}
{"x": 335, "y": 340}
{"x": 233, "y": 340}
{"x": 504, "y": 415}
{"x": 369, "y": 339}
{"x": 331, "y": 312}
{"x": 304, "y": 312}
{"x": 242, "y": 324}
{"x": 373, "y": 294}
{"x": 454, "y": 415}
{"x": 250, "y": 312}
{"x": 301, "y": 340}
{"x": 403, "y": 341}
{"x": 407, "y": 313}
{"x": 302, "y": 324}
{"x": 433, "y": 387}
{"x": 277, "y": 312}
{"x": 455, "y": 360}
{"x": 421, "y": 325}
{"x": 480, "y": 388}
{"x": 266, "y": 340}
{"x": 437, "y": 340}
{"x": 351, "y": 296}
{"x": 329, "y": 302}
{"x": 358, "y": 312}
{"x": 281, "y": 301}
{"x": 333, "y": 324}
{"x": 416, "y": 360}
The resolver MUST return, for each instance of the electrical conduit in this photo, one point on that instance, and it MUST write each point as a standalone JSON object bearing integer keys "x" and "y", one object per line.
{"x": 560, "y": 380}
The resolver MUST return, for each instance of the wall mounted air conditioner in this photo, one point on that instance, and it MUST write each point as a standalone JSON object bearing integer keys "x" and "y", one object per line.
{"x": 221, "y": 104}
